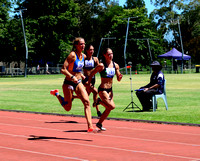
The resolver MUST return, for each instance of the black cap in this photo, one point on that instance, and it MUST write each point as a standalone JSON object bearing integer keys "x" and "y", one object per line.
{"x": 156, "y": 64}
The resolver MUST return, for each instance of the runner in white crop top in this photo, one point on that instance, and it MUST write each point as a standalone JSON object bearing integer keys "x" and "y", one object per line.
{"x": 89, "y": 64}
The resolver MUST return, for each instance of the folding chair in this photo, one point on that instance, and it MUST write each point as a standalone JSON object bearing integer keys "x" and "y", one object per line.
{"x": 163, "y": 96}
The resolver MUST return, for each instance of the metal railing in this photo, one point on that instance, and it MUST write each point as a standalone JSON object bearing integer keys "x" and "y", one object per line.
{"x": 30, "y": 71}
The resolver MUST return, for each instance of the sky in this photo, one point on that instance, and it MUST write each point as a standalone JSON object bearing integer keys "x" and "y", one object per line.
{"x": 149, "y": 7}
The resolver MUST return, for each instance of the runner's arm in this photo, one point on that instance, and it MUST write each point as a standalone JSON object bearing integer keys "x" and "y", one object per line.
{"x": 97, "y": 69}
{"x": 118, "y": 74}
{"x": 71, "y": 58}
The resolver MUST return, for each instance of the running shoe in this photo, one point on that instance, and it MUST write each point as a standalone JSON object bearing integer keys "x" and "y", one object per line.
{"x": 99, "y": 125}
{"x": 54, "y": 92}
{"x": 90, "y": 130}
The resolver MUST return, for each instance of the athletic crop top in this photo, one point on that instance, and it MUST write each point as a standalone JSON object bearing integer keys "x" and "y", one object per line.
{"x": 108, "y": 72}
{"x": 89, "y": 64}
{"x": 77, "y": 65}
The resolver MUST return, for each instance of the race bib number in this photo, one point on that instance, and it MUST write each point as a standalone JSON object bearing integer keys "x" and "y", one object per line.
{"x": 89, "y": 63}
{"x": 110, "y": 71}
{"x": 80, "y": 65}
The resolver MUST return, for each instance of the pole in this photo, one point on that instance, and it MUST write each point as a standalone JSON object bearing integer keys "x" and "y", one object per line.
{"x": 149, "y": 50}
{"x": 26, "y": 60}
{"x": 99, "y": 47}
{"x": 181, "y": 46}
{"x": 125, "y": 44}
{"x": 149, "y": 53}
{"x": 131, "y": 85}
{"x": 132, "y": 103}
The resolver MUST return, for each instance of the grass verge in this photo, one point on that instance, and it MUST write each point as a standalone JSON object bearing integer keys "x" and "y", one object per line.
{"x": 32, "y": 94}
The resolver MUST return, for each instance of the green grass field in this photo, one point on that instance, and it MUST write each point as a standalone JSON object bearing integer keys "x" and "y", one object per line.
{"x": 32, "y": 94}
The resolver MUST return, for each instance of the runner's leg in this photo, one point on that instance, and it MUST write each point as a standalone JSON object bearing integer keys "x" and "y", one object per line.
{"x": 81, "y": 92}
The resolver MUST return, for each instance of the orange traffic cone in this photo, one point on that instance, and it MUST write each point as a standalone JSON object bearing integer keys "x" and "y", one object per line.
{"x": 136, "y": 72}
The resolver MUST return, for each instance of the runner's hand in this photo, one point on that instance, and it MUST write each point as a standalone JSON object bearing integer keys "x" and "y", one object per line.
{"x": 75, "y": 80}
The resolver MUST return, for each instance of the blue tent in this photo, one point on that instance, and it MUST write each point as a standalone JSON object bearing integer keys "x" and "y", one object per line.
{"x": 175, "y": 54}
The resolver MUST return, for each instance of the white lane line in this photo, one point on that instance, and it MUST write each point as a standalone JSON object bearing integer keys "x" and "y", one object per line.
{"x": 128, "y": 128}
{"x": 160, "y": 131}
{"x": 104, "y": 135}
{"x": 112, "y": 148}
{"x": 133, "y": 151}
{"x": 47, "y": 154}
{"x": 28, "y": 119}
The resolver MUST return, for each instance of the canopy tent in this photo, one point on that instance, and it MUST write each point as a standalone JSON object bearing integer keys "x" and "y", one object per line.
{"x": 175, "y": 54}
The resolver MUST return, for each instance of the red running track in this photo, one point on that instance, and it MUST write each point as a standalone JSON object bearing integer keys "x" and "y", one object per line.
{"x": 36, "y": 137}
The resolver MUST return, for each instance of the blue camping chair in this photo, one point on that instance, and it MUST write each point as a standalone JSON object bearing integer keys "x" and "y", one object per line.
{"x": 163, "y": 96}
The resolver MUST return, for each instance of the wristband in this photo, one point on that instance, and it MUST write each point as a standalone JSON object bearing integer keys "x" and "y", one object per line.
{"x": 72, "y": 76}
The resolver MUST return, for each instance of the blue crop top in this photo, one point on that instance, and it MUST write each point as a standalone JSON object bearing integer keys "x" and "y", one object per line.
{"x": 77, "y": 65}
{"x": 108, "y": 72}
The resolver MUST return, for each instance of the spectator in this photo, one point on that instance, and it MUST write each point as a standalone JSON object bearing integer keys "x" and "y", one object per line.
{"x": 155, "y": 86}
{"x": 47, "y": 68}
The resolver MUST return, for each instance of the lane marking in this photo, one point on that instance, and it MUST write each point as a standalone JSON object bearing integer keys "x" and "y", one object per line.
{"x": 103, "y": 147}
{"x": 47, "y": 154}
{"x": 105, "y": 135}
{"x": 129, "y": 128}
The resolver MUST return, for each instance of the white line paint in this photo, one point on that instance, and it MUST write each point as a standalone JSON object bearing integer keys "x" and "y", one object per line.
{"x": 128, "y": 128}
{"x": 35, "y": 152}
{"x": 102, "y": 147}
{"x": 104, "y": 135}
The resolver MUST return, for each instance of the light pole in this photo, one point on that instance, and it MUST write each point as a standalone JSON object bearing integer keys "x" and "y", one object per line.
{"x": 99, "y": 47}
{"x": 126, "y": 41}
{"x": 179, "y": 29}
{"x": 181, "y": 46}
{"x": 26, "y": 60}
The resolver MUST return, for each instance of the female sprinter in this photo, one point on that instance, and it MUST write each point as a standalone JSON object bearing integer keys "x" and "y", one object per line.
{"x": 72, "y": 68}
{"x": 107, "y": 70}
{"x": 89, "y": 64}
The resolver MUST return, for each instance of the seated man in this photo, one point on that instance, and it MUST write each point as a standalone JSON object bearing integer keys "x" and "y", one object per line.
{"x": 155, "y": 86}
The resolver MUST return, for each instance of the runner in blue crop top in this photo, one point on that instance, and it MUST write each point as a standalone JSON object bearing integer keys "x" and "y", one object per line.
{"x": 107, "y": 70}
{"x": 72, "y": 68}
{"x": 77, "y": 65}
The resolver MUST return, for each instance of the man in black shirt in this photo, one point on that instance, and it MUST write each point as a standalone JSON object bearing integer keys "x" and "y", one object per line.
{"x": 155, "y": 86}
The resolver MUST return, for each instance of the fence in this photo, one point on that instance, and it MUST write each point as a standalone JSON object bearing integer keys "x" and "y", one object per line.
{"x": 167, "y": 70}
{"x": 30, "y": 71}
{"x": 56, "y": 70}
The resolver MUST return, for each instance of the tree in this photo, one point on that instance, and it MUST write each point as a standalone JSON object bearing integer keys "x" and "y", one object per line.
{"x": 190, "y": 24}
{"x": 105, "y": 22}
{"x": 4, "y": 20}
{"x": 92, "y": 23}
{"x": 140, "y": 27}
{"x": 187, "y": 13}
{"x": 4, "y": 8}
{"x": 131, "y": 4}
{"x": 50, "y": 26}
